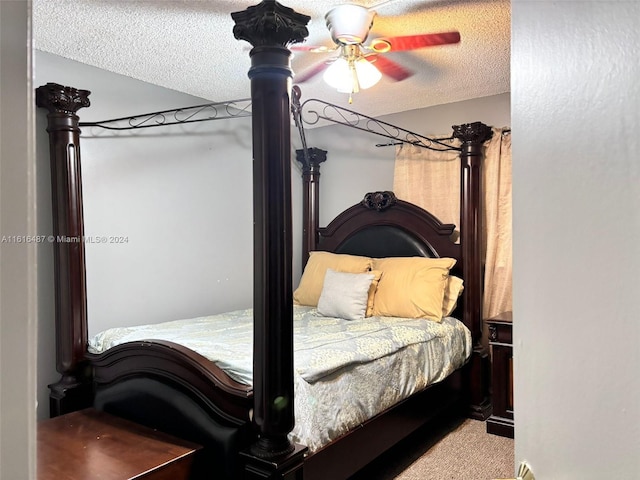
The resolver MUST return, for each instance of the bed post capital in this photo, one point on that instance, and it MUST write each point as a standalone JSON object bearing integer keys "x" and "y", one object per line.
{"x": 60, "y": 99}
{"x": 269, "y": 23}
{"x": 476, "y": 132}
{"x": 311, "y": 159}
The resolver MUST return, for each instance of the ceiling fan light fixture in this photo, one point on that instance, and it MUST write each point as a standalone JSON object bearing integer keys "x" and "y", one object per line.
{"x": 339, "y": 75}
{"x": 350, "y": 76}
{"x": 368, "y": 75}
{"x": 349, "y": 24}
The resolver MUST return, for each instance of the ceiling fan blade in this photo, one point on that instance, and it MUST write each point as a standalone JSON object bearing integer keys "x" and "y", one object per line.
{"x": 311, "y": 48}
{"x": 412, "y": 42}
{"x": 310, "y": 72}
{"x": 389, "y": 68}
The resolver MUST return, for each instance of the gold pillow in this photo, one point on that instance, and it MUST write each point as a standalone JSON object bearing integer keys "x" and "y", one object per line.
{"x": 372, "y": 291}
{"x": 312, "y": 280}
{"x": 452, "y": 292}
{"x": 411, "y": 287}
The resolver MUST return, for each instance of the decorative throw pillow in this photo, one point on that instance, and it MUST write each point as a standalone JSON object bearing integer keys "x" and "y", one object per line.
{"x": 310, "y": 287}
{"x": 411, "y": 287}
{"x": 345, "y": 295}
{"x": 452, "y": 292}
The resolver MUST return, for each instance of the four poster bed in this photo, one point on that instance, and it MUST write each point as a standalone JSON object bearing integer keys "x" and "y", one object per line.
{"x": 245, "y": 418}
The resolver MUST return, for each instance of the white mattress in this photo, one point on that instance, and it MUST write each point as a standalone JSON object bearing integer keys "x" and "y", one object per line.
{"x": 345, "y": 371}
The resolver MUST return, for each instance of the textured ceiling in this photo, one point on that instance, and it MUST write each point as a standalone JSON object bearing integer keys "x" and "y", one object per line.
{"x": 188, "y": 45}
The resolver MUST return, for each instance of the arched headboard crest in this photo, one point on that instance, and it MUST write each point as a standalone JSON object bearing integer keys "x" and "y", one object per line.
{"x": 399, "y": 228}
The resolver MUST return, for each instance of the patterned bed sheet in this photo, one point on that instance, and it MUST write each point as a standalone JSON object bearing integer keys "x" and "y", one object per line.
{"x": 346, "y": 371}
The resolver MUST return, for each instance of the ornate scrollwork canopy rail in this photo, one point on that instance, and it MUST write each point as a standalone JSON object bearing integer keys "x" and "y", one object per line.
{"x": 197, "y": 113}
{"x": 312, "y": 111}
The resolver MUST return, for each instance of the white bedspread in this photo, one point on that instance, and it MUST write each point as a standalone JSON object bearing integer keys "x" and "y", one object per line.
{"x": 345, "y": 371}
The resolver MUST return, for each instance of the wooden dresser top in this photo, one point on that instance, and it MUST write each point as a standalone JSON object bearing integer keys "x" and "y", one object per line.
{"x": 92, "y": 445}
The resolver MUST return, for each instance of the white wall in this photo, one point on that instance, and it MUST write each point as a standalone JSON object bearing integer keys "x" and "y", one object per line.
{"x": 18, "y": 290}
{"x": 576, "y": 198}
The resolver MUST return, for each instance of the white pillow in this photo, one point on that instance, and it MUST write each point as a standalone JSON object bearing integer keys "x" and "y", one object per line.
{"x": 344, "y": 295}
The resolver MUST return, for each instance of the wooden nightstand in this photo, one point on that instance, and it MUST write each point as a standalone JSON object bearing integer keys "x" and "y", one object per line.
{"x": 90, "y": 444}
{"x": 500, "y": 340}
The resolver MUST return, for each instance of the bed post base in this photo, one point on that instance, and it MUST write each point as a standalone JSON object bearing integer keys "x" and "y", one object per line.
{"x": 287, "y": 466}
{"x": 69, "y": 395}
{"x": 477, "y": 373}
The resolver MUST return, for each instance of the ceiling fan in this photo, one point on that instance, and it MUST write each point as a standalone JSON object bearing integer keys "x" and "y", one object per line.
{"x": 359, "y": 66}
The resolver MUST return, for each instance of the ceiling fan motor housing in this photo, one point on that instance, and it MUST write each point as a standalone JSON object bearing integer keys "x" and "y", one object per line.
{"x": 349, "y": 24}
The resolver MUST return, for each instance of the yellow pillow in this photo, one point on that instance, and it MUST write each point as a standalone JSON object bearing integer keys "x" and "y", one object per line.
{"x": 310, "y": 287}
{"x": 411, "y": 287}
{"x": 372, "y": 291}
{"x": 452, "y": 292}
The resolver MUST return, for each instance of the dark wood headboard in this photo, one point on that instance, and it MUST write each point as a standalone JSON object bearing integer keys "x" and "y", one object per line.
{"x": 382, "y": 225}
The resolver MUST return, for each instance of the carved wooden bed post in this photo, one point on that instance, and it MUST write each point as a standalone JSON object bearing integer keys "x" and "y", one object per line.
{"x": 270, "y": 28}
{"x": 472, "y": 136}
{"x": 71, "y": 392}
{"x": 310, "y": 197}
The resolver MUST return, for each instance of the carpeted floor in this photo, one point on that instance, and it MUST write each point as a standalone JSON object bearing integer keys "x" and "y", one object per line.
{"x": 467, "y": 452}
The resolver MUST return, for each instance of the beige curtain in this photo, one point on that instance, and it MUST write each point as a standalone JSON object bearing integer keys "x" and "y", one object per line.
{"x": 431, "y": 180}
